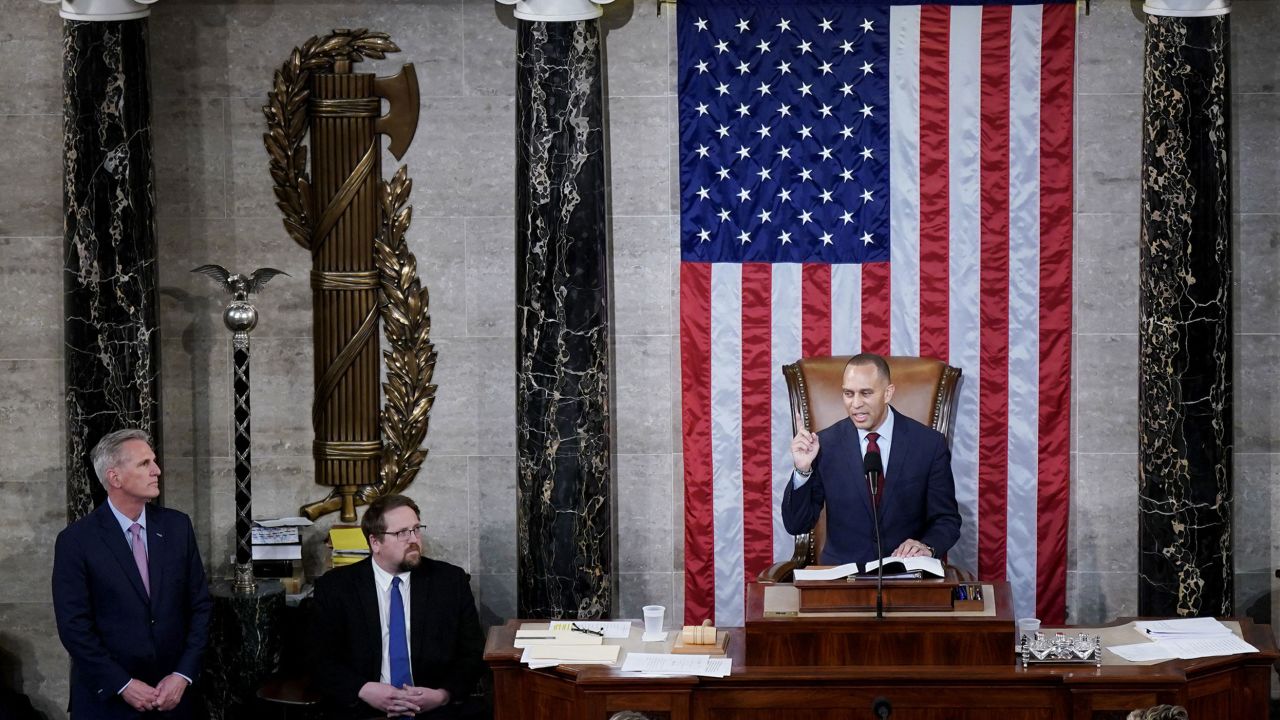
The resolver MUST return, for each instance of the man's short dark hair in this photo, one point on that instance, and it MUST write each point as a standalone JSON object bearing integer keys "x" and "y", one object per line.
{"x": 374, "y": 520}
{"x": 873, "y": 360}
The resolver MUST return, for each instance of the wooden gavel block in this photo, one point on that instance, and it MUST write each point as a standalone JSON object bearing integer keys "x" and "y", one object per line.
{"x": 704, "y": 634}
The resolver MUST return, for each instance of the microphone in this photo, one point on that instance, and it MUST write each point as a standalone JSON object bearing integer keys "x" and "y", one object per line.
{"x": 874, "y": 467}
{"x": 882, "y": 707}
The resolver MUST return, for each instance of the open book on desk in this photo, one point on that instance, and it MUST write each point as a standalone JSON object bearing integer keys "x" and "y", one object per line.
{"x": 895, "y": 568}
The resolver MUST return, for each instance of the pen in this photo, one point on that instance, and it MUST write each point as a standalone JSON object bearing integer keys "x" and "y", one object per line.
{"x": 588, "y": 631}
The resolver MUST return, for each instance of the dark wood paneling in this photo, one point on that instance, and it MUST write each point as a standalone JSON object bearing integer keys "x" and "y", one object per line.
{"x": 1235, "y": 687}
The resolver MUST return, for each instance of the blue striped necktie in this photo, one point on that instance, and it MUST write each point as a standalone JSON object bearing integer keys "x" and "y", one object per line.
{"x": 398, "y": 643}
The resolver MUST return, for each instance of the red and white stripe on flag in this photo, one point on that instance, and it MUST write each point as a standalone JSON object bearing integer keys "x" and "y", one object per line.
{"x": 980, "y": 275}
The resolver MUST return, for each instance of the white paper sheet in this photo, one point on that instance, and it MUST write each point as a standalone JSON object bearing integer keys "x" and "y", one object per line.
{"x": 573, "y": 654}
{"x": 1143, "y": 652}
{"x": 831, "y": 573}
{"x": 284, "y": 522}
{"x": 1186, "y": 649}
{"x": 617, "y": 629}
{"x": 665, "y": 663}
{"x": 1208, "y": 646}
{"x": 719, "y": 667}
{"x": 1182, "y": 627}
{"x": 559, "y": 639}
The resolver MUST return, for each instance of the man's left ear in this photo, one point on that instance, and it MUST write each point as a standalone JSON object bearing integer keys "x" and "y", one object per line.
{"x": 888, "y": 392}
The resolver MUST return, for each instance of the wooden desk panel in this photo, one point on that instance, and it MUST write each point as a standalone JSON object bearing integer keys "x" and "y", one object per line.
{"x": 896, "y": 639}
{"x": 1235, "y": 687}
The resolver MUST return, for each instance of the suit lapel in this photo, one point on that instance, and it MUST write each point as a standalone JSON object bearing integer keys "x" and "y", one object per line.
{"x": 367, "y": 595}
{"x": 901, "y": 442}
{"x": 159, "y": 546}
{"x": 851, "y": 457}
{"x": 118, "y": 547}
{"x": 420, "y": 615}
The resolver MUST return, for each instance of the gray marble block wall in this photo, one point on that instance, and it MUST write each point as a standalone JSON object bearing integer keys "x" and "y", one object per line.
{"x": 211, "y": 66}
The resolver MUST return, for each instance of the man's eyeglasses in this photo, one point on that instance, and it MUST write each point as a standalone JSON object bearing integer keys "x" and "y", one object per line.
{"x": 404, "y": 534}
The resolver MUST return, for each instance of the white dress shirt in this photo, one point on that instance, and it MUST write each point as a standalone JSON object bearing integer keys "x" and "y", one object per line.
{"x": 885, "y": 442}
{"x": 126, "y": 523}
{"x": 382, "y": 579}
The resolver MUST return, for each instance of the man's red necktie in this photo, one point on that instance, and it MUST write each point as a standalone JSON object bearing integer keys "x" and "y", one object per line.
{"x": 873, "y": 447}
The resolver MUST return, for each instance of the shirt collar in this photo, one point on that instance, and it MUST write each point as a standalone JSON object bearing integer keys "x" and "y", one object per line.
{"x": 383, "y": 578}
{"x": 885, "y": 430}
{"x": 126, "y": 523}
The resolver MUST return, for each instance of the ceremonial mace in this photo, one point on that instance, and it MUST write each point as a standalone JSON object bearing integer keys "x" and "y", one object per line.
{"x": 240, "y": 318}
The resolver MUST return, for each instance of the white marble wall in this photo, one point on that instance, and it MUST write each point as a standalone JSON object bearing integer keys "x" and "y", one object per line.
{"x": 212, "y": 63}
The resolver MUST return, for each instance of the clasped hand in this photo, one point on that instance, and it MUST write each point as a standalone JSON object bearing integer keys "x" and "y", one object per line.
{"x": 403, "y": 701}
{"x": 165, "y": 696}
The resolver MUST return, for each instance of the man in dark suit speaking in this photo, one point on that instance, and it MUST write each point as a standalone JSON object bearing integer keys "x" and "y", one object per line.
{"x": 129, "y": 593}
{"x": 916, "y": 498}
{"x": 397, "y": 633}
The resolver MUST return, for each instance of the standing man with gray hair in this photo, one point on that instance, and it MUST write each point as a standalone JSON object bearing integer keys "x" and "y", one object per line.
{"x": 129, "y": 593}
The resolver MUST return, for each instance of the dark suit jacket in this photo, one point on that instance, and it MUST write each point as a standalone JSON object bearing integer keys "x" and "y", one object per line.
{"x": 918, "y": 500}
{"x": 446, "y": 646}
{"x": 109, "y": 626}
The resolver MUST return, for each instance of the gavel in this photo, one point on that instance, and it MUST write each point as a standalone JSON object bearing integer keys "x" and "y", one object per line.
{"x": 704, "y": 634}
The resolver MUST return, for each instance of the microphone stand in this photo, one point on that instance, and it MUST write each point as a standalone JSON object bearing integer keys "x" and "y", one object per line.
{"x": 874, "y": 470}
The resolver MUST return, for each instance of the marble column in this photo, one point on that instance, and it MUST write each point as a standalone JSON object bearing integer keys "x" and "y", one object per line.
{"x": 564, "y": 516}
{"x": 244, "y": 646}
{"x": 111, "y": 310}
{"x": 1184, "y": 386}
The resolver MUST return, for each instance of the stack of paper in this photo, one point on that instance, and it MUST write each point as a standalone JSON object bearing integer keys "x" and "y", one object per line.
{"x": 541, "y": 656}
{"x": 349, "y": 545}
{"x": 832, "y": 573}
{"x": 1182, "y": 628}
{"x": 277, "y": 551}
{"x": 664, "y": 664}
{"x": 529, "y": 638}
{"x": 1184, "y": 639}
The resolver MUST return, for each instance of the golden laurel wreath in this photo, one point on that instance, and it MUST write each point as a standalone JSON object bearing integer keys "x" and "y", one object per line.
{"x": 403, "y": 303}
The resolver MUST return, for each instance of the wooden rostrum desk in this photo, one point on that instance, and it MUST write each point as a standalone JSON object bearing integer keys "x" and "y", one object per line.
{"x": 829, "y": 668}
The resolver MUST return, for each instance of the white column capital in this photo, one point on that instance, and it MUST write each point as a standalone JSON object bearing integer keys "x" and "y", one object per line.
{"x": 557, "y": 10}
{"x": 1186, "y": 8}
{"x": 102, "y": 10}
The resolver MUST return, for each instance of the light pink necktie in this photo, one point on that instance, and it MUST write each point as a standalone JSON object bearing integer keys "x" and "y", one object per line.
{"x": 140, "y": 556}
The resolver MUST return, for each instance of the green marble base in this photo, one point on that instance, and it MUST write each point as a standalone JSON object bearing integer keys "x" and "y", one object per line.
{"x": 244, "y": 646}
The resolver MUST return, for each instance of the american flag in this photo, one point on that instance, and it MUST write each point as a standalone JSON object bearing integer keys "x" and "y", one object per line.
{"x": 883, "y": 177}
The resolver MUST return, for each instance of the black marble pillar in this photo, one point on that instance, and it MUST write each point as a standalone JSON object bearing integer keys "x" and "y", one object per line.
{"x": 244, "y": 647}
{"x": 110, "y": 305}
{"x": 562, "y": 339}
{"x": 1184, "y": 402}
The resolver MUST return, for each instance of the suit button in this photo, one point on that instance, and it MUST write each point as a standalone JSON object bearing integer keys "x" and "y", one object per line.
{"x": 153, "y": 622}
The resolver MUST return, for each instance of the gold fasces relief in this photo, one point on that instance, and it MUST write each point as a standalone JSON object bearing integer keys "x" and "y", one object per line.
{"x": 353, "y": 223}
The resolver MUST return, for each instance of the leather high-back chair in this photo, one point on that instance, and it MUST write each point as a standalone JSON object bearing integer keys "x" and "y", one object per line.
{"x": 925, "y": 390}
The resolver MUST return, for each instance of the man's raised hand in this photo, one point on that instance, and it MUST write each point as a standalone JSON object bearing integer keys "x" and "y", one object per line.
{"x": 804, "y": 448}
